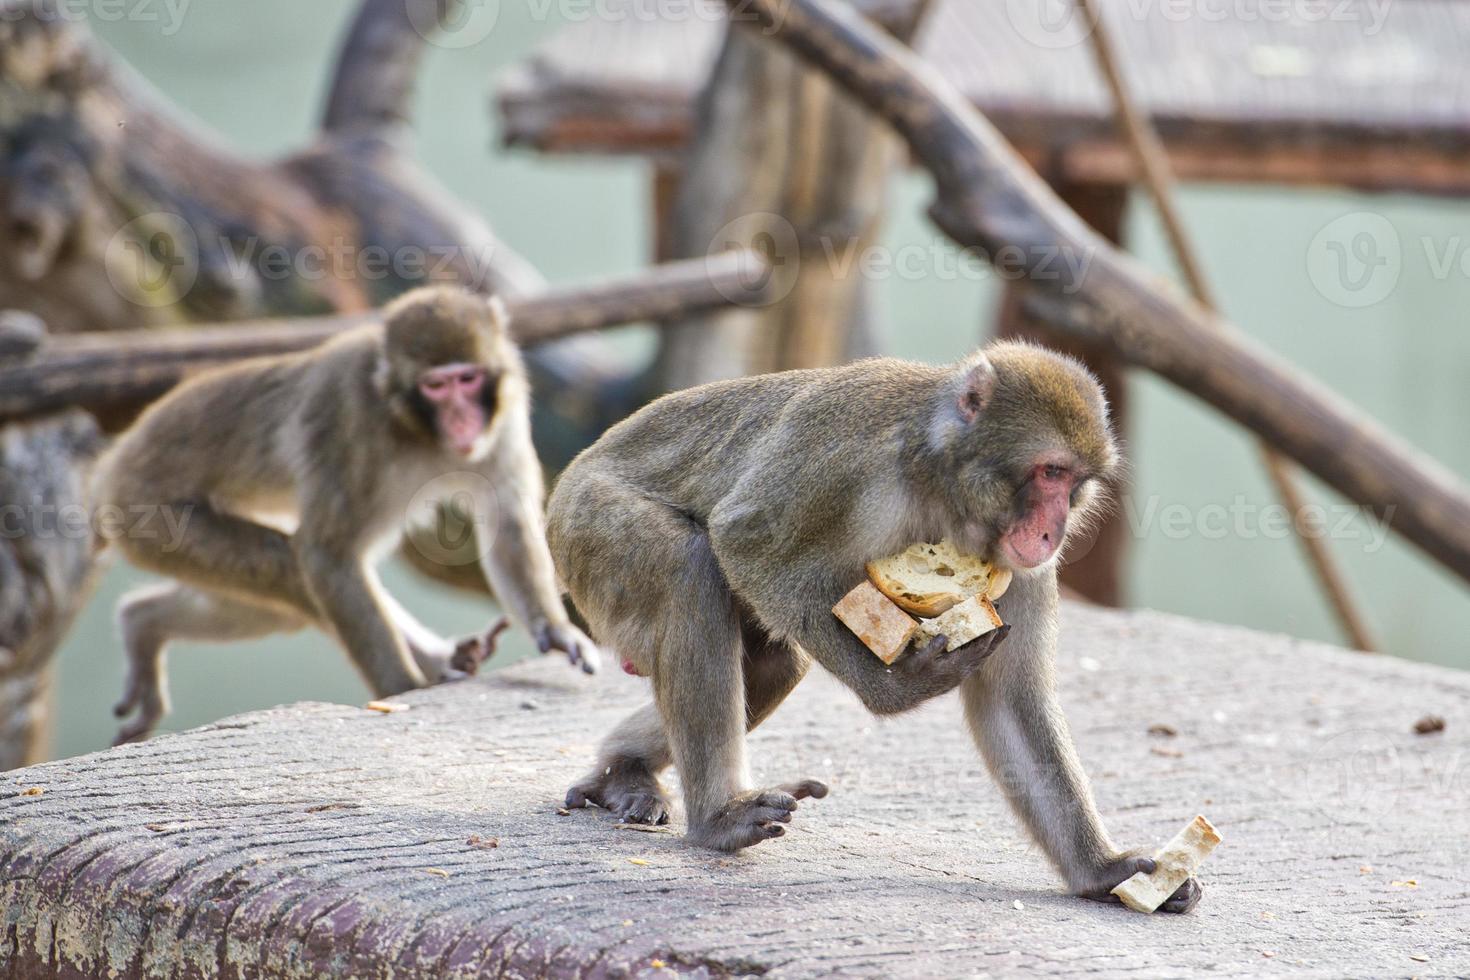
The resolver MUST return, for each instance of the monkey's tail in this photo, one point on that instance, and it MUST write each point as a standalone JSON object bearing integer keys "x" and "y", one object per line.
{"x": 372, "y": 90}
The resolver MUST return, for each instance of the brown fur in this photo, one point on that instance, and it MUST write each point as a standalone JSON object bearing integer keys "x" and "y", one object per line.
{"x": 292, "y": 473}
{"x": 707, "y": 537}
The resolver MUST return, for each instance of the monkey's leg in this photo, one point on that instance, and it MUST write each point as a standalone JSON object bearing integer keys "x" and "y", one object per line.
{"x": 699, "y": 687}
{"x": 772, "y": 670}
{"x": 1013, "y": 713}
{"x": 625, "y": 780}
{"x": 223, "y": 553}
{"x": 351, "y": 600}
{"x": 151, "y": 618}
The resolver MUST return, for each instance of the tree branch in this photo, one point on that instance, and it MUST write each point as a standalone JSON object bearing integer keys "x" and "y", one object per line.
{"x": 118, "y": 370}
{"x": 987, "y": 197}
{"x": 1152, "y": 161}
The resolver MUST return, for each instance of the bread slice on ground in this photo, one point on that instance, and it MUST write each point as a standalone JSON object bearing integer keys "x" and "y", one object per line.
{"x": 929, "y": 579}
{"x": 1174, "y": 863}
{"x": 964, "y": 622}
{"x": 876, "y": 620}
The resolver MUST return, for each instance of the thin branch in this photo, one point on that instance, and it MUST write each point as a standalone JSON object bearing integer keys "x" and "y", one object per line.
{"x": 987, "y": 197}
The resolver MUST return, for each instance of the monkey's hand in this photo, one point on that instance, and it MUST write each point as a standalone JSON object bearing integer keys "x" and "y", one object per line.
{"x": 472, "y": 651}
{"x": 626, "y": 789}
{"x": 1099, "y": 887}
{"x": 948, "y": 669}
{"x": 580, "y": 650}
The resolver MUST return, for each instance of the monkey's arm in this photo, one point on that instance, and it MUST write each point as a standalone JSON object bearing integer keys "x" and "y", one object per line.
{"x": 1013, "y": 713}
{"x": 515, "y": 557}
{"x": 348, "y": 596}
{"x": 919, "y": 675}
{"x": 792, "y": 594}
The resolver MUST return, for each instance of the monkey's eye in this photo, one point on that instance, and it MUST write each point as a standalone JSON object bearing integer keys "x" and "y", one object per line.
{"x": 435, "y": 384}
{"x": 468, "y": 378}
{"x": 1053, "y": 472}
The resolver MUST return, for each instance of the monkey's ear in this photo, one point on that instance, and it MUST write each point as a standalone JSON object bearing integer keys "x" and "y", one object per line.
{"x": 977, "y": 387}
{"x": 499, "y": 315}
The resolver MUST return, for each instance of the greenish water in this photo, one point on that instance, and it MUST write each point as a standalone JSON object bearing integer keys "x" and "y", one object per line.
{"x": 256, "y": 73}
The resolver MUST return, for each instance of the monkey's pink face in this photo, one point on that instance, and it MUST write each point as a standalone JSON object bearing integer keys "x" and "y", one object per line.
{"x": 458, "y": 393}
{"x": 1046, "y": 503}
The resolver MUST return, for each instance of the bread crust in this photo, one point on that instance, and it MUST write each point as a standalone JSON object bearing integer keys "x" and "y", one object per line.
{"x": 929, "y": 579}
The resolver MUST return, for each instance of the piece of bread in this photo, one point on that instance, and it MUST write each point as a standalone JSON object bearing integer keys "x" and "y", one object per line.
{"x": 1174, "y": 863}
{"x": 882, "y": 626}
{"x": 961, "y": 623}
{"x": 929, "y": 579}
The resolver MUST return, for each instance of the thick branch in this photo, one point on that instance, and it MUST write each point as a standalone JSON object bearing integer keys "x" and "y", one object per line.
{"x": 379, "y": 63}
{"x": 1153, "y": 163}
{"x": 119, "y": 369}
{"x": 987, "y": 198}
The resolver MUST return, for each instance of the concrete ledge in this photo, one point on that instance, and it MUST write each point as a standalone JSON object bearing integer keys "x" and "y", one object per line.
{"x": 326, "y": 840}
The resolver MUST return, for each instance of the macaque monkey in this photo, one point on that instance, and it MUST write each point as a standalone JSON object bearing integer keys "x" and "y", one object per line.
{"x": 289, "y": 476}
{"x": 707, "y": 538}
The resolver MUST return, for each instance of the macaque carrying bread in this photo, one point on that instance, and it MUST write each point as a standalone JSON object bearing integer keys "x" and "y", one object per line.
{"x": 937, "y": 581}
{"x": 1175, "y": 863}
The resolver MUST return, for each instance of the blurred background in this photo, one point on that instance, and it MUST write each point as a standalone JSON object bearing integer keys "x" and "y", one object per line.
{"x": 1202, "y": 540}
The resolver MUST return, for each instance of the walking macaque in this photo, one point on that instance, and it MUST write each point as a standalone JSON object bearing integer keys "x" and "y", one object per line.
{"x": 707, "y": 538}
{"x": 288, "y": 476}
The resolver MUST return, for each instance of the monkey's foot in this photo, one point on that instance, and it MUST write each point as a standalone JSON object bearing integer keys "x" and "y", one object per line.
{"x": 151, "y": 704}
{"x": 754, "y": 816}
{"x": 1125, "y": 866}
{"x": 625, "y": 789}
{"x": 473, "y": 651}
